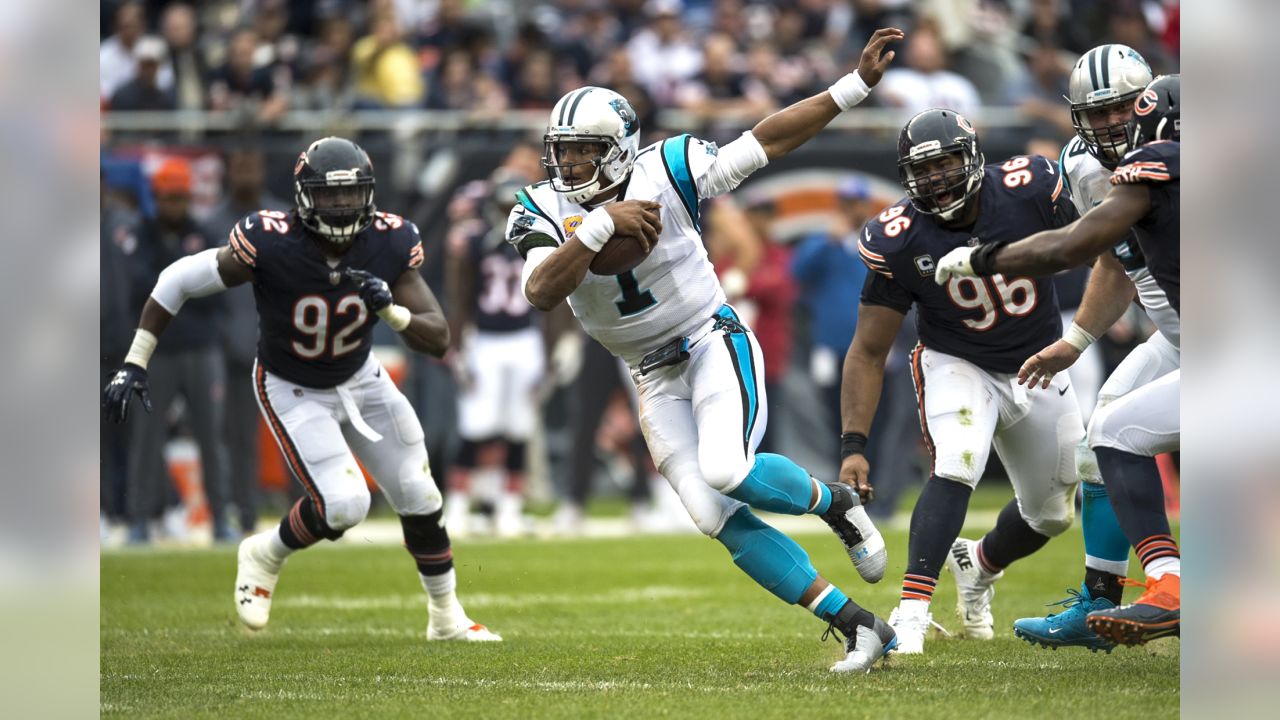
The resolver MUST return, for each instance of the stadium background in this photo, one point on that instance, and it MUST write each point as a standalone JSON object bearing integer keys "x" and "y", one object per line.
{"x": 441, "y": 92}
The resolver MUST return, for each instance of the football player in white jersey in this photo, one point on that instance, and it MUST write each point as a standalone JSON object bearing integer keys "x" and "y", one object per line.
{"x": 697, "y": 368}
{"x": 1103, "y": 86}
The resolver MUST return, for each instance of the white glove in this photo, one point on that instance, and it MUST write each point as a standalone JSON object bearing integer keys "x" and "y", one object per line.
{"x": 954, "y": 264}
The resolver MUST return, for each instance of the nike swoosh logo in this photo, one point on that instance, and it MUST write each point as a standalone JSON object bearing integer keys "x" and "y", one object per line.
{"x": 1054, "y": 631}
{"x": 1052, "y": 169}
{"x": 1063, "y": 391}
{"x": 248, "y": 224}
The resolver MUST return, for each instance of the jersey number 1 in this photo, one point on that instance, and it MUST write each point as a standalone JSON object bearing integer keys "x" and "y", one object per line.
{"x": 634, "y": 299}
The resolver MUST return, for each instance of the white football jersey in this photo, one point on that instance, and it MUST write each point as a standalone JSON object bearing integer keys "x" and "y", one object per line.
{"x": 1088, "y": 181}
{"x": 673, "y": 291}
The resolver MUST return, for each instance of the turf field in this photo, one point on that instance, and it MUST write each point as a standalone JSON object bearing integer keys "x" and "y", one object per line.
{"x": 638, "y": 627}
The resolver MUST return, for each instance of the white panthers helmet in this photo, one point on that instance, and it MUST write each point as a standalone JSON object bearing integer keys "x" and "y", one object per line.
{"x": 590, "y": 115}
{"x": 1104, "y": 77}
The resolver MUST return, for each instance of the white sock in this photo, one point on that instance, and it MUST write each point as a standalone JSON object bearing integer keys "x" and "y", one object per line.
{"x": 440, "y": 592}
{"x": 272, "y": 547}
{"x": 1160, "y": 566}
{"x": 913, "y": 607}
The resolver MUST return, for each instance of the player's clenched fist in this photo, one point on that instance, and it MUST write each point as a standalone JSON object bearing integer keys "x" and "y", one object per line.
{"x": 130, "y": 379}
{"x": 374, "y": 291}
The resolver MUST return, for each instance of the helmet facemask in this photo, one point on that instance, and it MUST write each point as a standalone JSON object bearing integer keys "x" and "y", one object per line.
{"x": 338, "y": 206}
{"x": 1108, "y": 142}
{"x": 942, "y": 188}
{"x": 580, "y": 174}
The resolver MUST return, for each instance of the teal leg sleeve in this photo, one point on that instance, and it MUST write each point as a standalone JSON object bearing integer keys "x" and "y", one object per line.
{"x": 777, "y": 484}
{"x": 772, "y": 559}
{"x": 1105, "y": 545}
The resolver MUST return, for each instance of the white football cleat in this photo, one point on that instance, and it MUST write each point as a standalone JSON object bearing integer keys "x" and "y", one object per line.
{"x": 463, "y": 629}
{"x": 866, "y": 647}
{"x": 256, "y": 579}
{"x": 862, "y": 541}
{"x": 911, "y": 621}
{"x": 975, "y": 589}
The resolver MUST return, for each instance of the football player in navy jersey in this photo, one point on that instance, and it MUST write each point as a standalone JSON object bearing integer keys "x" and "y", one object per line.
{"x": 320, "y": 274}
{"x": 501, "y": 355}
{"x": 1129, "y": 432}
{"x": 974, "y": 335}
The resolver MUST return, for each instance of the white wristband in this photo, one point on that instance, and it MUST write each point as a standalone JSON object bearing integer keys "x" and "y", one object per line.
{"x": 849, "y": 90}
{"x": 595, "y": 230}
{"x": 144, "y": 343}
{"x": 1078, "y": 338}
{"x": 396, "y": 317}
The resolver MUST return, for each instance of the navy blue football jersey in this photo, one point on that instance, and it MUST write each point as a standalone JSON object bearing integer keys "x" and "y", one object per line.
{"x": 499, "y": 304}
{"x": 993, "y": 322}
{"x": 314, "y": 330}
{"x": 1157, "y": 166}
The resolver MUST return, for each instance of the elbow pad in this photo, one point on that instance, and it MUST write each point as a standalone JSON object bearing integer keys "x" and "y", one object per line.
{"x": 190, "y": 277}
{"x": 531, "y": 262}
{"x": 735, "y": 162}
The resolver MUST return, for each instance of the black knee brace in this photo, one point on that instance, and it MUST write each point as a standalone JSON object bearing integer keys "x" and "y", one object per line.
{"x": 428, "y": 542}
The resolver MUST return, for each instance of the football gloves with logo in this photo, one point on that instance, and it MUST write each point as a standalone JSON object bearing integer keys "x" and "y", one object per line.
{"x": 374, "y": 291}
{"x": 130, "y": 379}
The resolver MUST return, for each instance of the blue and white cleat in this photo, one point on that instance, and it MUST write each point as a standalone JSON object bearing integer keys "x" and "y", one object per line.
{"x": 1067, "y": 628}
{"x": 866, "y": 646}
{"x": 862, "y": 541}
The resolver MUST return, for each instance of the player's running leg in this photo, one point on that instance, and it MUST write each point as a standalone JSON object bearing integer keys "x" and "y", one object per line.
{"x": 958, "y": 414}
{"x": 399, "y": 464}
{"x": 730, "y": 409}
{"x": 1126, "y": 435}
{"x": 1106, "y": 549}
{"x": 1036, "y": 440}
{"x": 767, "y": 556}
{"x": 336, "y": 497}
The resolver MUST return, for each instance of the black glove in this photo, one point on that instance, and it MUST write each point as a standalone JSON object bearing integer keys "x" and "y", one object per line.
{"x": 374, "y": 291}
{"x": 127, "y": 381}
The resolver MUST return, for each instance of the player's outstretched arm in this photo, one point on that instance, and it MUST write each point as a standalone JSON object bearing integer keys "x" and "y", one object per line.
{"x": 1075, "y": 244}
{"x": 1106, "y": 298}
{"x": 193, "y": 276}
{"x": 794, "y": 125}
{"x": 860, "y": 390}
{"x": 550, "y": 277}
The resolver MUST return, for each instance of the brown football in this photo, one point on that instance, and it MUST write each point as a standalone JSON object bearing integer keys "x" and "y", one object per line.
{"x": 620, "y": 254}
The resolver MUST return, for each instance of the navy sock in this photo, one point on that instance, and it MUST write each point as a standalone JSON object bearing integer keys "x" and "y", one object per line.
{"x": 1137, "y": 496}
{"x": 1011, "y": 539}
{"x": 935, "y": 524}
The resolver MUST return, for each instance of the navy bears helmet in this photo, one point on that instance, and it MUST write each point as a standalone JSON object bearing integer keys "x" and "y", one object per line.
{"x": 333, "y": 188}
{"x": 942, "y": 192}
{"x": 1157, "y": 112}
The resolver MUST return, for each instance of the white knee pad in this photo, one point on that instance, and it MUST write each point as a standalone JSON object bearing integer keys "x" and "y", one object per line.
{"x": 708, "y": 508}
{"x": 418, "y": 493}
{"x": 1055, "y": 516}
{"x": 346, "y": 509}
{"x": 723, "y": 474}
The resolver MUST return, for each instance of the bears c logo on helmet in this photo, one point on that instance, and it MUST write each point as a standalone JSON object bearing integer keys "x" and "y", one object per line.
{"x": 963, "y": 122}
{"x": 1146, "y": 103}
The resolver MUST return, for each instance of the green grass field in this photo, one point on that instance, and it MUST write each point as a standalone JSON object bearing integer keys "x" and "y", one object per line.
{"x": 641, "y": 627}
